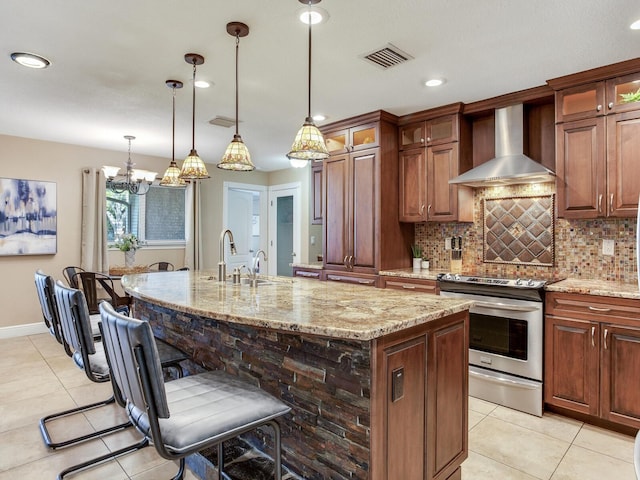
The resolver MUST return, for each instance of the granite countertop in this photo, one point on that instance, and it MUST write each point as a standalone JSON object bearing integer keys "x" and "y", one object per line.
{"x": 329, "y": 309}
{"x": 595, "y": 287}
{"x": 314, "y": 266}
{"x": 411, "y": 273}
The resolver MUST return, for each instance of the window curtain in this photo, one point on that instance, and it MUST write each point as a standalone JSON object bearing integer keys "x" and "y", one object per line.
{"x": 193, "y": 224}
{"x": 93, "y": 246}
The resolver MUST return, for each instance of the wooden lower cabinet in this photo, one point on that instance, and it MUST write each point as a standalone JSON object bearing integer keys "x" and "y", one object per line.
{"x": 420, "y": 393}
{"x": 592, "y": 356}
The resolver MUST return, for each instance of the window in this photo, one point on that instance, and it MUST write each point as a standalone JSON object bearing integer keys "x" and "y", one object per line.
{"x": 157, "y": 218}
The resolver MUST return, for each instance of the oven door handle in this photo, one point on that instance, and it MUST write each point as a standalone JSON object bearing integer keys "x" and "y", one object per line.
{"x": 524, "y": 384}
{"x": 505, "y": 306}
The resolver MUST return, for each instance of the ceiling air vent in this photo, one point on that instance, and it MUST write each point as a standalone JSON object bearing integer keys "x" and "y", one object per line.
{"x": 387, "y": 56}
{"x": 222, "y": 121}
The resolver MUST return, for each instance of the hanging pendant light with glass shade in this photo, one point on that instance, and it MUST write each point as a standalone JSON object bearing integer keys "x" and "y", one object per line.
{"x": 237, "y": 156}
{"x": 171, "y": 176}
{"x": 193, "y": 168}
{"x": 309, "y": 143}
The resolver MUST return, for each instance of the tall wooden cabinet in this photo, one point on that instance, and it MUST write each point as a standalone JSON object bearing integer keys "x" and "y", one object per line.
{"x": 598, "y": 140}
{"x": 592, "y": 356}
{"x": 361, "y": 231}
{"x": 433, "y": 151}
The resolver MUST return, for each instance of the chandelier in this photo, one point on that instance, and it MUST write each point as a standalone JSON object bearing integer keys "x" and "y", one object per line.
{"x": 134, "y": 181}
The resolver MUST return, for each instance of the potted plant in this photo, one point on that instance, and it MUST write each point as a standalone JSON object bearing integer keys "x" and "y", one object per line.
{"x": 128, "y": 243}
{"x": 416, "y": 252}
{"x": 424, "y": 264}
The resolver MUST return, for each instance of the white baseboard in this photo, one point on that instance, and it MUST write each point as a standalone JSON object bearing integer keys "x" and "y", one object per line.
{"x": 22, "y": 330}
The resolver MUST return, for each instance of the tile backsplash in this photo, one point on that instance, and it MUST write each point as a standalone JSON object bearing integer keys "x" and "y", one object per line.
{"x": 578, "y": 243}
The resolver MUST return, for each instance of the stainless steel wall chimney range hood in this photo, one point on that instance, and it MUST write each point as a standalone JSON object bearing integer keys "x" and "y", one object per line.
{"x": 511, "y": 166}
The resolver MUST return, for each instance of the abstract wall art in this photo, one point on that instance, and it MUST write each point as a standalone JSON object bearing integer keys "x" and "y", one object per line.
{"x": 28, "y": 217}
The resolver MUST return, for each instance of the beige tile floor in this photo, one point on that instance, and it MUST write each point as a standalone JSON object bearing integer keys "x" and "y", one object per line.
{"x": 507, "y": 444}
{"x": 37, "y": 378}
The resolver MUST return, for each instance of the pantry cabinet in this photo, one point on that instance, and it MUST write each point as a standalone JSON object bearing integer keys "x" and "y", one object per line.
{"x": 597, "y": 143}
{"x": 592, "y": 356}
{"x": 361, "y": 230}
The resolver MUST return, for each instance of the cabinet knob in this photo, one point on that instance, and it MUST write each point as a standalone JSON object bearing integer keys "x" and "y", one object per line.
{"x": 428, "y": 139}
{"x": 610, "y": 105}
{"x": 599, "y": 108}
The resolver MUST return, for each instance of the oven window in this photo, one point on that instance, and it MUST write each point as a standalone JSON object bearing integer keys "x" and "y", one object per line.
{"x": 500, "y": 335}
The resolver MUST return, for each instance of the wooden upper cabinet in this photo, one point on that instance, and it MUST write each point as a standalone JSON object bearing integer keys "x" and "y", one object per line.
{"x": 623, "y": 93}
{"x": 442, "y": 130}
{"x": 598, "y": 142}
{"x": 442, "y": 198}
{"x": 435, "y": 131}
{"x": 623, "y": 160}
{"x": 413, "y": 135}
{"x": 581, "y": 168}
{"x": 352, "y": 139}
{"x": 413, "y": 185}
{"x": 583, "y": 101}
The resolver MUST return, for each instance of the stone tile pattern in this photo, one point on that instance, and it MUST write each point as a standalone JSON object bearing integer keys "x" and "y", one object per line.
{"x": 519, "y": 230}
{"x": 578, "y": 243}
{"x": 326, "y": 382}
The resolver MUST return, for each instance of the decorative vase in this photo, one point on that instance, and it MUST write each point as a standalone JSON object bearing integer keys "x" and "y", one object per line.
{"x": 129, "y": 258}
{"x": 425, "y": 264}
{"x": 416, "y": 263}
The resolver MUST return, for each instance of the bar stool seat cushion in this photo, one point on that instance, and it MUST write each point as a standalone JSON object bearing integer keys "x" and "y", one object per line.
{"x": 207, "y": 408}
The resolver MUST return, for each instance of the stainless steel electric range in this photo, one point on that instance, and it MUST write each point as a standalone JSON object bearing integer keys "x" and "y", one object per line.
{"x": 506, "y": 333}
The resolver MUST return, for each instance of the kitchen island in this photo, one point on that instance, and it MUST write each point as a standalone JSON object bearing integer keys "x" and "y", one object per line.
{"x": 377, "y": 380}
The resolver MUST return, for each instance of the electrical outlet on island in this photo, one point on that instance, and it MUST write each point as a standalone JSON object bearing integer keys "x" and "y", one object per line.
{"x": 608, "y": 247}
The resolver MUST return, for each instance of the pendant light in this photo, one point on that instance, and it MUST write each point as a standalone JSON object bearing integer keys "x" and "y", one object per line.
{"x": 193, "y": 168}
{"x": 237, "y": 157}
{"x": 309, "y": 142}
{"x": 171, "y": 176}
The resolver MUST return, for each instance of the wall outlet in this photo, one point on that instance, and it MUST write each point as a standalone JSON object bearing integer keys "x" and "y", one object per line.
{"x": 608, "y": 247}
{"x": 447, "y": 243}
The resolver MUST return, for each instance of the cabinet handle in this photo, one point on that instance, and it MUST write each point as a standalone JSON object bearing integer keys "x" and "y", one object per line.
{"x": 610, "y": 105}
{"x": 597, "y": 309}
{"x": 351, "y": 262}
{"x": 606, "y": 332}
{"x": 611, "y": 203}
{"x": 409, "y": 287}
{"x": 429, "y": 211}
{"x": 599, "y": 108}
{"x": 593, "y": 334}
{"x": 600, "y": 203}
{"x": 344, "y": 261}
{"x": 422, "y": 210}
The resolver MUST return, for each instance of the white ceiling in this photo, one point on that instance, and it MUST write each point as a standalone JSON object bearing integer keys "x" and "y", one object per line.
{"x": 110, "y": 60}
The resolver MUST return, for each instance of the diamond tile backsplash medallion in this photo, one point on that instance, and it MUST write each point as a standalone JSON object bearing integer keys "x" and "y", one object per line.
{"x": 519, "y": 230}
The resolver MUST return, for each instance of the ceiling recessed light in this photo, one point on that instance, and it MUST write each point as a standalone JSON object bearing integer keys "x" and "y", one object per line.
{"x": 635, "y": 25}
{"x": 202, "y": 84}
{"x": 319, "y": 117}
{"x": 434, "y": 82}
{"x": 30, "y": 60}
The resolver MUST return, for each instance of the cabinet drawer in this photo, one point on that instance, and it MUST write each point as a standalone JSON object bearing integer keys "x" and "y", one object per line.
{"x": 370, "y": 281}
{"x": 594, "y": 308}
{"x": 315, "y": 274}
{"x": 425, "y": 286}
